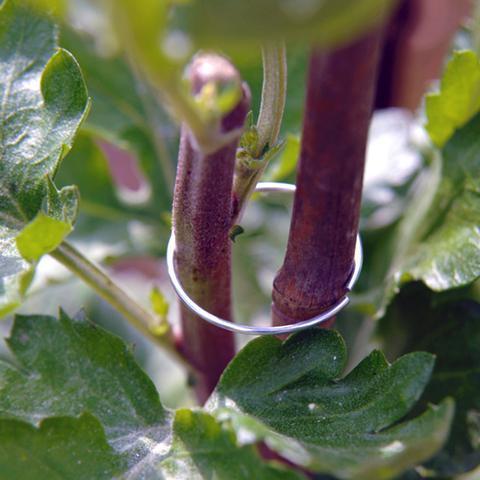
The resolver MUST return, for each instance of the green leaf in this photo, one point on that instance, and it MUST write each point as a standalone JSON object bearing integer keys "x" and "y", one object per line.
{"x": 458, "y": 99}
{"x": 159, "y": 303}
{"x": 75, "y": 370}
{"x": 60, "y": 448}
{"x": 41, "y": 235}
{"x": 128, "y": 116}
{"x": 160, "y": 307}
{"x": 448, "y": 255}
{"x": 290, "y": 395}
{"x": 447, "y": 325}
{"x": 64, "y": 360}
{"x": 438, "y": 239}
{"x": 70, "y": 367}
{"x": 44, "y": 100}
{"x": 285, "y": 164}
{"x": 202, "y": 448}
{"x": 220, "y": 23}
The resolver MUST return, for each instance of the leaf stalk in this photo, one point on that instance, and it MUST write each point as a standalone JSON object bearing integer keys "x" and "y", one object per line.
{"x": 105, "y": 287}
{"x": 260, "y": 143}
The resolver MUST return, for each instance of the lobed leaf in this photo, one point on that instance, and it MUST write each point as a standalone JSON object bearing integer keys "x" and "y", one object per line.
{"x": 448, "y": 255}
{"x": 44, "y": 100}
{"x": 289, "y": 394}
{"x": 77, "y": 393}
{"x": 64, "y": 359}
{"x": 202, "y": 448}
{"x": 73, "y": 373}
{"x": 126, "y": 131}
{"x": 59, "y": 448}
{"x": 437, "y": 240}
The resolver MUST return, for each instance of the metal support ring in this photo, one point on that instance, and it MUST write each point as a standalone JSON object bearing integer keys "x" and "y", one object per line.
{"x": 265, "y": 187}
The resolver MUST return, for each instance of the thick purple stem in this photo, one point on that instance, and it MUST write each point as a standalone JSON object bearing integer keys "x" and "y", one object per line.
{"x": 202, "y": 213}
{"x": 321, "y": 245}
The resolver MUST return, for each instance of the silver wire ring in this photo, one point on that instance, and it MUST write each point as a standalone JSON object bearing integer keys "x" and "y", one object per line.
{"x": 263, "y": 187}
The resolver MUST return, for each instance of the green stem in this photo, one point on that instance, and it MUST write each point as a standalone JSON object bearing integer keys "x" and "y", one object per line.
{"x": 140, "y": 27}
{"x": 253, "y": 159}
{"x": 274, "y": 94}
{"x": 99, "y": 281}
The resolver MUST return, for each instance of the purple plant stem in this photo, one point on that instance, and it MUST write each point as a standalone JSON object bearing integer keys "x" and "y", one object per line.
{"x": 202, "y": 213}
{"x": 321, "y": 245}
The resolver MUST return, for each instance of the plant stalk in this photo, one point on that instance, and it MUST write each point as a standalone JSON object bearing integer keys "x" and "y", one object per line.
{"x": 141, "y": 28}
{"x": 202, "y": 212}
{"x": 274, "y": 95}
{"x": 252, "y": 160}
{"x": 101, "y": 283}
{"x": 326, "y": 210}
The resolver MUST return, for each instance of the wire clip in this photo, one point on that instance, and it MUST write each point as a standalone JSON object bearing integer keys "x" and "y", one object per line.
{"x": 262, "y": 187}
